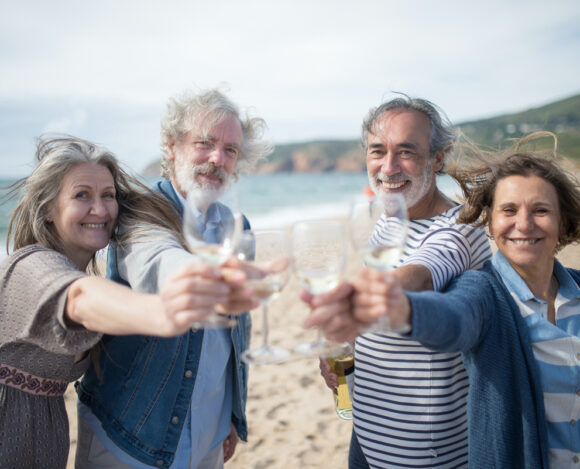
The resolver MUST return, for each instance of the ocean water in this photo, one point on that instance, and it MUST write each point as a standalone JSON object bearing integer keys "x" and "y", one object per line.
{"x": 277, "y": 200}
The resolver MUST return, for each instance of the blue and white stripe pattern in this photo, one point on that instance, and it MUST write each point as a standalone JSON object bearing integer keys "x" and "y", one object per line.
{"x": 410, "y": 402}
{"x": 557, "y": 351}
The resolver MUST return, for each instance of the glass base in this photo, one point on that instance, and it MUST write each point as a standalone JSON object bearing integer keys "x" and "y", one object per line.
{"x": 215, "y": 321}
{"x": 345, "y": 414}
{"x": 322, "y": 348}
{"x": 265, "y": 356}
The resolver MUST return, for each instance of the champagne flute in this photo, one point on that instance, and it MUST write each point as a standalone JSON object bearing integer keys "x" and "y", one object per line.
{"x": 319, "y": 256}
{"x": 212, "y": 224}
{"x": 267, "y": 254}
{"x": 378, "y": 226}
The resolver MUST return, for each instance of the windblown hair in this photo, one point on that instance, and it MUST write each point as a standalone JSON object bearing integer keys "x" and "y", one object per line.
{"x": 29, "y": 223}
{"x": 204, "y": 110}
{"x": 478, "y": 172}
{"x": 443, "y": 134}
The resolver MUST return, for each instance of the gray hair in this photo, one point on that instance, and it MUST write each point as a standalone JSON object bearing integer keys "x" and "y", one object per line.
{"x": 443, "y": 134}
{"x": 207, "y": 109}
{"x": 29, "y": 223}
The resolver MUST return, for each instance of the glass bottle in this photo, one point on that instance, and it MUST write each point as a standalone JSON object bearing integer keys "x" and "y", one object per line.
{"x": 343, "y": 367}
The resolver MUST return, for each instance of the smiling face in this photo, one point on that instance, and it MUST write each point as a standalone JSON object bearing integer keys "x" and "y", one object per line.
{"x": 206, "y": 158}
{"x": 525, "y": 222}
{"x": 399, "y": 160}
{"x": 84, "y": 212}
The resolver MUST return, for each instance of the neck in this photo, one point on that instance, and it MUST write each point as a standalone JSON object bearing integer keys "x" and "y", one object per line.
{"x": 432, "y": 204}
{"x": 177, "y": 187}
{"x": 541, "y": 282}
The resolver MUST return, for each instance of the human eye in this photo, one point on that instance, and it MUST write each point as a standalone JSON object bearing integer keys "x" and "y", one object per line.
{"x": 203, "y": 143}
{"x": 81, "y": 195}
{"x": 232, "y": 151}
{"x": 109, "y": 195}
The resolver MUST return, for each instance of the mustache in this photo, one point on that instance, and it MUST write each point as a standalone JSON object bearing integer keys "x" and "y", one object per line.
{"x": 210, "y": 170}
{"x": 386, "y": 178}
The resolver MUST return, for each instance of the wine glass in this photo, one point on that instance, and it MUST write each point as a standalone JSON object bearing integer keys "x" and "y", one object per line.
{"x": 267, "y": 257}
{"x": 212, "y": 224}
{"x": 378, "y": 226}
{"x": 319, "y": 256}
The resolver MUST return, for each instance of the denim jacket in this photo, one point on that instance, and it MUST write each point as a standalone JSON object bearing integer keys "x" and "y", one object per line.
{"x": 141, "y": 390}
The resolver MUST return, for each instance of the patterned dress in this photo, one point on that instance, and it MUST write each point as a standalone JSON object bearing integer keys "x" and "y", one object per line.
{"x": 39, "y": 353}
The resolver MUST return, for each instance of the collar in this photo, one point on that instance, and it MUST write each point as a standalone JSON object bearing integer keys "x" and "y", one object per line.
{"x": 213, "y": 214}
{"x": 516, "y": 285}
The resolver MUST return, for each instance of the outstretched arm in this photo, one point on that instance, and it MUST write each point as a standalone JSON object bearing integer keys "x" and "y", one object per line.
{"x": 188, "y": 295}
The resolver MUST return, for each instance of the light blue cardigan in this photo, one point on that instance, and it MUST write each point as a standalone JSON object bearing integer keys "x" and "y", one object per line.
{"x": 478, "y": 317}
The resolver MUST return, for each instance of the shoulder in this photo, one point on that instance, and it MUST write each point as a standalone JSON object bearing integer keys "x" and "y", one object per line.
{"x": 37, "y": 256}
{"x": 38, "y": 266}
{"x": 445, "y": 225}
{"x": 575, "y": 274}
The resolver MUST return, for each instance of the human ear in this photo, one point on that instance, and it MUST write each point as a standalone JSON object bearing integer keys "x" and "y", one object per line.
{"x": 438, "y": 160}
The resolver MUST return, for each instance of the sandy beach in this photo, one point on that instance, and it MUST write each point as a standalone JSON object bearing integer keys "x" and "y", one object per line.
{"x": 292, "y": 422}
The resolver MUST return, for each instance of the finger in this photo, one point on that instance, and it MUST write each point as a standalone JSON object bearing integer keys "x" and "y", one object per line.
{"x": 341, "y": 292}
{"x": 196, "y": 269}
{"x": 306, "y": 296}
{"x": 320, "y": 315}
{"x": 233, "y": 276}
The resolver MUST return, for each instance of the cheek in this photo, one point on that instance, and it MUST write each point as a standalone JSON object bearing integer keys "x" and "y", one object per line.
{"x": 373, "y": 167}
{"x": 114, "y": 210}
{"x": 230, "y": 164}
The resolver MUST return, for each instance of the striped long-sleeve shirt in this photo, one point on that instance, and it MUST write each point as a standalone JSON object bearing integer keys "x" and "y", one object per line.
{"x": 410, "y": 402}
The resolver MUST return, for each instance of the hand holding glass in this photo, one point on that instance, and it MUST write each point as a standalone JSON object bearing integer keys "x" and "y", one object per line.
{"x": 378, "y": 227}
{"x": 319, "y": 255}
{"x": 211, "y": 229}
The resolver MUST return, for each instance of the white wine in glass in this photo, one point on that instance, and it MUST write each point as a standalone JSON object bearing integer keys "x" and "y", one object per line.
{"x": 212, "y": 224}
{"x": 378, "y": 226}
{"x": 318, "y": 259}
{"x": 267, "y": 257}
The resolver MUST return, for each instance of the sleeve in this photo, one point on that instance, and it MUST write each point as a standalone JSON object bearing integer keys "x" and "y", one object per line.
{"x": 33, "y": 299}
{"x": 449, "y": 251}
{"x": 145, "y": 262}
{"x": 454, "y": 321}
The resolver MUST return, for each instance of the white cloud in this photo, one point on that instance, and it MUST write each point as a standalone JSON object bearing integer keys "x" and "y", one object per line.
{"x": 311, "y": 68}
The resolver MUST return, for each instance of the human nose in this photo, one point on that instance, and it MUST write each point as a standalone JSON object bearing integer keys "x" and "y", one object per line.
{"x": 217, "y": 156}
{"x": 524, "y": 221}
{"x": 390, "y": 164}
{"x": 98, "y": 207}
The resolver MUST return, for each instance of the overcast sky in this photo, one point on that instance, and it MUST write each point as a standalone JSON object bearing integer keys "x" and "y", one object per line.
{"x": 103, "y": 70}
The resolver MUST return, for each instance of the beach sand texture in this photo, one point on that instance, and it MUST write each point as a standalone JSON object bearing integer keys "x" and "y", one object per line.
{"x": 292, "y": 422}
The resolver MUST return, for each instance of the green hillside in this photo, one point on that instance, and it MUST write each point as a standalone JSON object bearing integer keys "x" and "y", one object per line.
{"x": 561, "y": 117}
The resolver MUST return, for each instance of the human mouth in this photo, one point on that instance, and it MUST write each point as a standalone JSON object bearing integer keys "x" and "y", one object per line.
{"x": 393, "y": 185}
{"x": 524, "y": 242}
{"x": 94, "y": 226}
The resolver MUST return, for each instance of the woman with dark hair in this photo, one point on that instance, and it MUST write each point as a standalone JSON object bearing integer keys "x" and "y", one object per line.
{"x": 516, "y": 321}
{"x": 52, "y": 313}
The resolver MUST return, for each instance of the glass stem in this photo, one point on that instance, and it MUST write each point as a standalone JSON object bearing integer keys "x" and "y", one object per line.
{"x": 319, "y": 337}
{"x": 265, "y": 330}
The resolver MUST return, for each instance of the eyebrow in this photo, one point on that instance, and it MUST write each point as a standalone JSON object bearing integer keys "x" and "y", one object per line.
{"x": 409, "y": 145}
{"x": 211, "y": 138}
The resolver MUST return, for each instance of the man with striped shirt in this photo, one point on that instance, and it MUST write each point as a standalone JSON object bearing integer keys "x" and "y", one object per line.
{"x": 409, "y": 404}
